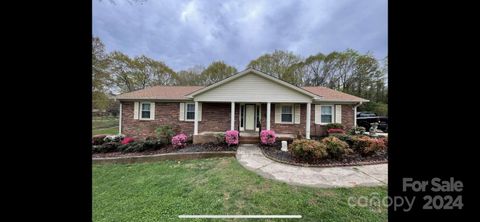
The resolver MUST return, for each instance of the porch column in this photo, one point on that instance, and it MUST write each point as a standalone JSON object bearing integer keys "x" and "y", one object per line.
{"x": 307, "y": 124}
{"x": 355, "y": 116}
{"x": 268, "y": 116}
{"x": 232, "y": 116}
{"x": 195, "y": 122}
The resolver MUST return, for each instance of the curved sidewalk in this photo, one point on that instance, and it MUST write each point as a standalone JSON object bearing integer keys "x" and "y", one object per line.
{"x": 250, "y": 156}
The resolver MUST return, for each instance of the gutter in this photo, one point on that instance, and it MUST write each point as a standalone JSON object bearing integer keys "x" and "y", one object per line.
{"x": 355, "y": 113}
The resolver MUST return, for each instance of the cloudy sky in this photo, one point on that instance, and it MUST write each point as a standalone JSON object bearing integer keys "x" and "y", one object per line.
{"x": 184, "y": 33}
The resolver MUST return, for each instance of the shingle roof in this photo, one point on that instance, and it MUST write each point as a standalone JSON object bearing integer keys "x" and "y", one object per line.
{"x": 179, "y": 92}
{"x": 332, "y": 95}
{"x": 161, "y": 92}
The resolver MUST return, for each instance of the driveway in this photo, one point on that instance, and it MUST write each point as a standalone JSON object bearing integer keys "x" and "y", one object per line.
{"x": 251, "y": 158}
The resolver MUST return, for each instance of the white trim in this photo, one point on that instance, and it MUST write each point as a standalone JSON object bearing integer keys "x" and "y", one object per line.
{"x": 269, "y": 111}
{"x": 307, "y": 124}
{"x": 140, "y": 110}
{"x": 332, "y": 113}
{"x": 251, "y": 70}
{"x": 232, "y": 115}
{"x": 120, "y": 120}
{"x": 355, "y": 113}
{"x": 195, "y": 122}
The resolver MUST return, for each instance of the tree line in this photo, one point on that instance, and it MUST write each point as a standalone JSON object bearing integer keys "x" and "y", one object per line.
{"x": 348, "y": 71}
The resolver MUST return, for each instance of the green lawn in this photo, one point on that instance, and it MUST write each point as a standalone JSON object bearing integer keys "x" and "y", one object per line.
{"x": 163, "y": 190}
{"x": 104, "y": 125}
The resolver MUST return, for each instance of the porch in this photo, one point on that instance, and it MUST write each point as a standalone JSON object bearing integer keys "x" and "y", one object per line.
{"x": 250, "y": 118}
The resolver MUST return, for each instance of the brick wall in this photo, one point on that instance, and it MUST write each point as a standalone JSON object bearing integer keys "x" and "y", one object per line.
{"x": 165, "y": 114}
{"x": 216, "y": 117}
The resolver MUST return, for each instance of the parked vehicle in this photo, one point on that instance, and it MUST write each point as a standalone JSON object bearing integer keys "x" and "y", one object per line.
{"x": 366, "y": 118}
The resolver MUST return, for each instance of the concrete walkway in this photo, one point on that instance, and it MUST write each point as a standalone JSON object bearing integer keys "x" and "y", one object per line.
{"x": 251, "y": 157}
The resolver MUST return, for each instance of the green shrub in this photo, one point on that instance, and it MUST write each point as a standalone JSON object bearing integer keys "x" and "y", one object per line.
{"x": 106, "y": 147}
{"x": 334, "y": 126}
{"x": 367, "y": 146}
{"x": 308, "y": 149}
{"x": 336, "y": 148}
{"x": 357, "y": 130}
{"x": 165, "y": 133}
{"x": 98, "y": 139}
{"x": 220, "y": 138}
{"x": 345, "y": 138}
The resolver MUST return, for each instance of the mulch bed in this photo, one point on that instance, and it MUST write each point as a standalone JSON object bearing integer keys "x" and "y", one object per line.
{"x": 355, "y": 159}
{"x": 170, "y": 149}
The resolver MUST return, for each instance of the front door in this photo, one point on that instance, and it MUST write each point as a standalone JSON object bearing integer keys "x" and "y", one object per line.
{"x": 249, "y": 117}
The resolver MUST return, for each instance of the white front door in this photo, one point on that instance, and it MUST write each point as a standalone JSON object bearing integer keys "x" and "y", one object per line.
{"x": 250, "y": 117}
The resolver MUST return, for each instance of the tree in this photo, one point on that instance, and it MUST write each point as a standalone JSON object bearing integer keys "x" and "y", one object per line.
{"x": 100, "y": 75}
{"x": 122, "y": 69}
{"x": 217, "y": 71}
{"x": 278, "y": 65}
{"x": 189, "y": 77}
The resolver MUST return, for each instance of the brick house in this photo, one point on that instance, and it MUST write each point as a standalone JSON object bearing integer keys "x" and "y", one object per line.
{"x": 249, "y": 101}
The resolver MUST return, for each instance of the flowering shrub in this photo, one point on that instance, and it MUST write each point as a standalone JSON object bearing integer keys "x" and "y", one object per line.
{"x": 267, "y": 137}
{"x": 367, "y": 145}
{"x": 179, "y": 140}
{"x": 335, "y": 147}
{"x": 231, "y": 137}
{"x": 127, "y": 140}
{"x": 336, "y": 130}
{"x": 308, "y": 149}
{"x": 114, "y": 138}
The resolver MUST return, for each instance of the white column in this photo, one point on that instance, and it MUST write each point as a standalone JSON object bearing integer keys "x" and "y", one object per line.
{"x": 232, "y": 116}
{"x": 195, "y": 122}
{"x": 120, "y": 120}
{"x": 268, "y": 116}
{"x": 307, "y": 129}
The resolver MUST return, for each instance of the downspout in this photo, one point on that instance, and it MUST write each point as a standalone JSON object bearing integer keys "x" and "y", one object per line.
{"x": 355, "y": 113}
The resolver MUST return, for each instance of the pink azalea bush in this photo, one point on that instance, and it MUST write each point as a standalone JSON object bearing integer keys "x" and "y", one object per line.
{"x": 231, "y": 137}
{"x": 179, "y": 140}
{"x": 267, "y": 137}
{"x": 127, "y": 140}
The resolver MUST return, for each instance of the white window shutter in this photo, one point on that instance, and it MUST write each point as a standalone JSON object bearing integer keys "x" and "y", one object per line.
{"x": 181, "y": 116}
{"x": 199, "y": 111}
{"x": 297, "y": 114}
{"x": 152, "y": 111}
{"x": 317, "y": 114}
{"x": 338, "y": 113}
{"x": 135, "y": 110}
{"x": 278, "y": 113}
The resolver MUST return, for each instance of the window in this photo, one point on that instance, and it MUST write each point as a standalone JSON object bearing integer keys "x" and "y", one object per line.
{"x": 326, "y": 114}
{"x": 190, "y": 111}
{"x": 287, "y": 113}
{"x": 145, "y": 111}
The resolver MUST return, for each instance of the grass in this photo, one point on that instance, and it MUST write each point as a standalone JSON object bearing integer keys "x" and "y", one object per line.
{"x": 163, "y": 190}
{"x": 104, "y": 125}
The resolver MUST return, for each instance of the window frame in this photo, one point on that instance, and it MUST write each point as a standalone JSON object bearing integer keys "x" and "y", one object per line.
{"x": 292, "y": 108}
{"x": 140, "y": 113}
{"x": 332, "y": 114}
{"x": 186, "y": 112}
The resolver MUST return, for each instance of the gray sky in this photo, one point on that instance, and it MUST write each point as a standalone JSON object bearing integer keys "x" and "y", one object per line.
{"x": 184, "y": 33}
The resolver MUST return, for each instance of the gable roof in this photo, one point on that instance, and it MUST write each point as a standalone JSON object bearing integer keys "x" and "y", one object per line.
{"x": 318, "y": 93}
{"x": 254, "y": 71}
{"x": 328, "y": 94}
{"x": 161, "y": 93}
